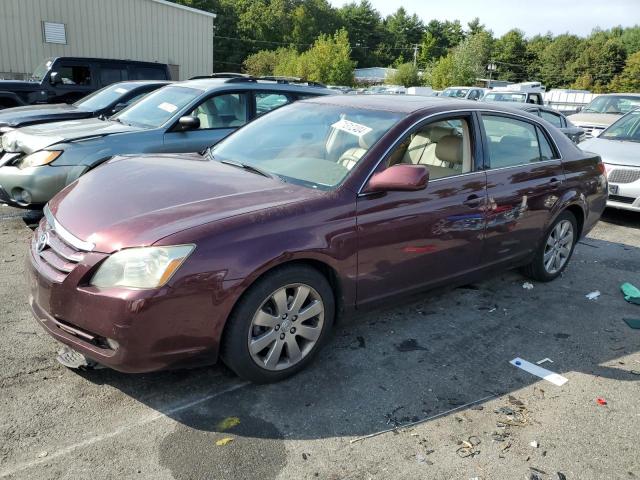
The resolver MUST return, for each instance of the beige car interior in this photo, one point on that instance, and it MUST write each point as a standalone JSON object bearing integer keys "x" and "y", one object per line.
{"x": 222, "y": 111}
{"x": 443, "y": 148}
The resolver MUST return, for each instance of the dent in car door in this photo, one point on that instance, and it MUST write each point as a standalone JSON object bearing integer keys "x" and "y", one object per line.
{"x": 524, "y": 178}
{"x": 409, "y": 240}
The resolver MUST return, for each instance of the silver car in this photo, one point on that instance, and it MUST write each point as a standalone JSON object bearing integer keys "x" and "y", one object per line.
{"x": 619, "y": 147}
{"x": 603, "y": 111}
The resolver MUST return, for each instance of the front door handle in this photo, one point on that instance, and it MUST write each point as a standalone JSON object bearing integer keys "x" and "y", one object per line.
{"x": 473, "y": 201}
{"x": 554, "y": 183}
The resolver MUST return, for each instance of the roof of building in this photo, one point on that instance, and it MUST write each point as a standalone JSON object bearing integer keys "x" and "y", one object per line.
{"x": 184, "y": 7}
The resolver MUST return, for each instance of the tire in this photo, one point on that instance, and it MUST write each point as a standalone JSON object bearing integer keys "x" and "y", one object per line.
{"x": 262, "y": 333}
{"x": 538, "y": 268}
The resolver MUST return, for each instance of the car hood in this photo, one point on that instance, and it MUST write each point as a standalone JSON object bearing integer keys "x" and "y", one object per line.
{"x": 18, "y": 116}
{"x": 596, "y": 119}
{"x": 37, "y": 137}
{"x": 614, "y": 152}
{"x": 136, "y": 201}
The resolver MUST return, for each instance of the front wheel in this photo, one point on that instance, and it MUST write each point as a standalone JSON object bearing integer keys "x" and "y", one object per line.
{"x": 279, "y": 324}
{"x": 553, "y": 255}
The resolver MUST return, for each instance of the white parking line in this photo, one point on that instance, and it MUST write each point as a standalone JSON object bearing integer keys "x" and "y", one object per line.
{"x": 125, "y": 428}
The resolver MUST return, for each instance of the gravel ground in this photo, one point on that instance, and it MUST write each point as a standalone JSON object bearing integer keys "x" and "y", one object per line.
{"x": 423, "y": 359}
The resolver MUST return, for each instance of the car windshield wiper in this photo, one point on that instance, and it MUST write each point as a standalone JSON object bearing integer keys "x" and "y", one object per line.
{"x": 247, "y": 167}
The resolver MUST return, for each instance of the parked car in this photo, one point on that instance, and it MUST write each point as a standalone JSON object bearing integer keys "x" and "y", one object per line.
{"x": 469, "y": 93}
{"x": 40, "y": 160}
{"x": 525, "y": 92}
{"x": 103, "y": 103}
{"x": 557, "y": 119}
{"x": 619, "y": 147}
{"x": 68, "y": 79}
{"x": 321, "y": 207}
{"x": 603, "y": 111}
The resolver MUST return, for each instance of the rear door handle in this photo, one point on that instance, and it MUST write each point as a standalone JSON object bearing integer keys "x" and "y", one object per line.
{"x": 554, "y": 183}
{"x": 473, "y": 201}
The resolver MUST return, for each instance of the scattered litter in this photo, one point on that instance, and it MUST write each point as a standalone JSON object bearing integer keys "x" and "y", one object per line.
{"x": 631, "y": 293}
{"x": 544, "y": 360}
{"x": 43, "y": 454}
{"x": 409, "y": 345}
{"x": 537, "y": 470}
{"x": 633, "y": 323}
{"x": 601, "y": 401}
{"x": 73, "y": 359}
{"x": 535, "y": 476}
{"x": 514, "y": 401}
{"x": 534, "y": 444}
{"x": 420, "y": 458}
{"x": 227, "y": 423}
{"x": 305, "y": 455}
{"x": 527, "y": 285}
{"x": 562, "y": 335}
{"x": 493, "y": 310}
{"x": 548, "y": 375}
{"x": 593, "y": 295}
{"x": 468, "y": 447}
{"x": 224, "y": 441}
{"x": 561, "y": 476}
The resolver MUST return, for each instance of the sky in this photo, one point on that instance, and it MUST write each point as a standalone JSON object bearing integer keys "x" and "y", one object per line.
{"x": 540, "y": 16}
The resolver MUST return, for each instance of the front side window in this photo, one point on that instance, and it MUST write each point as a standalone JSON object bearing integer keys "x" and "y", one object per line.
{"x": 75, "y": 74}
{"x": 222, "y": 111}
{"x": 158, "y": 107}
{"x": 444, "y": 147}
{"x": 266, "y": 101}
{"x": 103, "y": 97}
{"x": 310, "y": 144}
{"x": 505, "y": 97}
{"x": 510, "y": 142}
{"x": 455, "y": 92}
{"x": 616, "y": 104}
{"x": 41, "y": 70}
{"x": 552, "y": 118}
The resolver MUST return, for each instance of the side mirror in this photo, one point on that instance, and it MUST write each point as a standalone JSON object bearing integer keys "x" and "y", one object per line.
{"x": 189, "y": 123}
{"x": 402, "y": 178}
{"x": 54, "y": 78}
{"x": 578, "y": 108}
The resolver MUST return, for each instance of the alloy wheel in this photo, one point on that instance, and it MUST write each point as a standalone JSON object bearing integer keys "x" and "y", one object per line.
{"x": 286, "y": 327}
{"x": 558, "y": 247}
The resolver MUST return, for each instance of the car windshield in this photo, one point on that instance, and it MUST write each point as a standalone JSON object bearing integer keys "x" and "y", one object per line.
{"x": 504, "y": 97}
{"x": 455, "y": 92}
{"x": 309, "y": 144}
{"x": 103, "y": 97}
{"x": 158, "y": 107}
{"x": 616, "y": 104}
{"x": 41, "y": 70}
{"x": 625, "y": 129}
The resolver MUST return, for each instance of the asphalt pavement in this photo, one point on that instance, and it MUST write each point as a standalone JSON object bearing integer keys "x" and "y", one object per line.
{"x": 439, "y": 361}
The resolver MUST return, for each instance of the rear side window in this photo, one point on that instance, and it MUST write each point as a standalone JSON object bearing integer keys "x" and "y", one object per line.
{"x": 147, "y": 73}
{"x": 510, "y": 142}
{"x": 546, "y": 151}
{"x": 267, "y": 101}
{"x": 109, "y": 75}
{"x": 552, "y": 118}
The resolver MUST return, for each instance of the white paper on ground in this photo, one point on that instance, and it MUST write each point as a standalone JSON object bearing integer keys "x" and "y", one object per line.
{"x": 533, "y": 369}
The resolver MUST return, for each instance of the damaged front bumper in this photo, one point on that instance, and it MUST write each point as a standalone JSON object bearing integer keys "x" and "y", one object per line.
{"x": 34, "y": 186}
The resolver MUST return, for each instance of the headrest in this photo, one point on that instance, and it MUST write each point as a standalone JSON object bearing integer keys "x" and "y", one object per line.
{"x": 367, "y": 140}
{"x": 449, "y": 149}
{"x": 436, "y": 132}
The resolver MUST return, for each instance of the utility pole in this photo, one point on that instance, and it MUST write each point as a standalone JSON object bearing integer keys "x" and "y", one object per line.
{"x": 491, "y": 67}
{"x": 415, "y": 54}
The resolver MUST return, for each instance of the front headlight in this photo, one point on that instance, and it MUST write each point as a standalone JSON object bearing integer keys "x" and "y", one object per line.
{"x": 43, "y": 157}
{"x": 145, "y": 267}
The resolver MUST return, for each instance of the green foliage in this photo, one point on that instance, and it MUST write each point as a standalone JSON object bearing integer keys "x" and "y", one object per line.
{"x": 510, "y": 55}
{"x": 406, "y": 75}
{"x": 629, "y": 79}
{"x": 602, "y": 58}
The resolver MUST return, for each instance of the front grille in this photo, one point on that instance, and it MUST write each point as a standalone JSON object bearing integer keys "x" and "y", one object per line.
{"x": 621, "y": 199}
{"x": 55, "y": 258}
{"x": 591, "y": 130}
{"x": 623, "y": 175}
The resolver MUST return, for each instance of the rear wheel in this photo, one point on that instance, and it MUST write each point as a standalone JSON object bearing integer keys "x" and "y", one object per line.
{"x": 553, "y": 255}
{"x": 279, "y": 324}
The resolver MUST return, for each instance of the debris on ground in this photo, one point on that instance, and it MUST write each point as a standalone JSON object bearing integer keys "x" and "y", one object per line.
{"x": 601, "y": 401}
{"x": 534, "y": 444}
{"x": 43, "y": 454}
{"x": 224, "y": 441}
{"x": 561, "y": 476}
{"x": 633, "y": 323}
{"x": 527, "y": 285}
{"x": 305, "y": 455}
{"x": 538, "y": 371}
{"x": 544, "y": 360}
{"x": 409, "y": 345}
{"x": 468, "y": 447}
{"x": 593, "y": 295}
{"x": 227, "y": 423}
{"x": 420, "y": 458}
{"x": 631, "y": 293}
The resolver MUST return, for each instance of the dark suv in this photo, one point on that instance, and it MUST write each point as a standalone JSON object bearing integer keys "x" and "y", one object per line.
{"x": 67, "y": 79}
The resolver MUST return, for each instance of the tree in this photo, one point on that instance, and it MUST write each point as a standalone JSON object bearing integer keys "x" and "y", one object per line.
{"x": 602, "y": 58}
{"x": 364, "y": 25}
{"x": 406, "y": 75}
{"x": 535, "y": 47}
{"x": 556, "y": 57}
{"x": 511, "y": 56}
{"x": 463, "y": 64}
{"x": 629, "y": 79}
{"x": 474, "y": 27}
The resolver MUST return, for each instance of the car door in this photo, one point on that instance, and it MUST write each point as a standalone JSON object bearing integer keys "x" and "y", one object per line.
{"x": 524, "y": 178}
{"x": 408, "y": 240}
{"x": 76, "y": 81}
{"x": 219, "y": 115}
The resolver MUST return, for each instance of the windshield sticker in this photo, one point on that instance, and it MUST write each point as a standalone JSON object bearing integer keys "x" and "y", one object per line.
{"x": 351, "y": 127}
{"x": 167, "y": 107}
{"x": 121, "y": 90}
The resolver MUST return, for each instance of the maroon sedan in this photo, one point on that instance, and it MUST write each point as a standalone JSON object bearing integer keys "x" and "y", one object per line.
{"x": 250, "y": 251}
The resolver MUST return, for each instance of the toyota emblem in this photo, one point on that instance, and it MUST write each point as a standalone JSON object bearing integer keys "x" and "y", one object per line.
{"x": 43, "y": 241}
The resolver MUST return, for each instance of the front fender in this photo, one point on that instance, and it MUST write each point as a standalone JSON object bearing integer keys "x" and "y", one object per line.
{"x": 12, "y": 99}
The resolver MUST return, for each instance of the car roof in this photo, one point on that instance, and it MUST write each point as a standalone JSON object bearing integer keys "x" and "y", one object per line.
{"x": 400, "y": 103}
{"x": 241, "y": 83}
{"x": 523, "y": 106}
{"x": 140, "y": 83}
{"x": 619, "y": 95}
{"x": 107, "y": 60}
{"x": 462, "y": 86}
